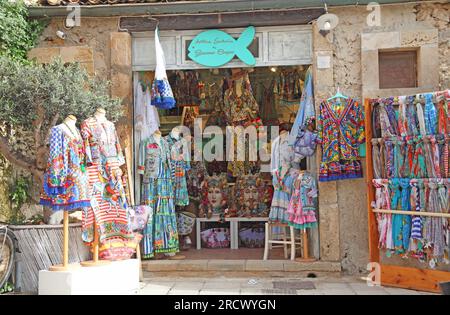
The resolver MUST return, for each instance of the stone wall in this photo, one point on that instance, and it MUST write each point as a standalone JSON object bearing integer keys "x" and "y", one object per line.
{"x": 345, "y": 201}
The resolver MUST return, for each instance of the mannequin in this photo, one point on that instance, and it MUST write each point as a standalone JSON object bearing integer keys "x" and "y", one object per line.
{"x": 100, "y": 115}
{"x": 69, "y": 125}
{"x": 157, "y": 135}
{"x": 107, "y": 186}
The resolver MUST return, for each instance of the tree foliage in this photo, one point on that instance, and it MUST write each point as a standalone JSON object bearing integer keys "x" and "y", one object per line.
{"x": 34, "y": 98}
{"x": 17, "y": 33}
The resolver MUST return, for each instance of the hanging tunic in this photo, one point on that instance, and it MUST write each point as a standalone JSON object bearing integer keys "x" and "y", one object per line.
{"x": 303, "y": 204}
{"x": 155, "y": 164}
{"x": 181, "y": 164}
{"x": 284, "y": 172}
{"x": 340, "y": 135}
{"x": 65, "y": 179}
{"x": 107, "y": 187}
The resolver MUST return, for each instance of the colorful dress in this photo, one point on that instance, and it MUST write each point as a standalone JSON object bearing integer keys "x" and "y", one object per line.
{"x": 106, "y": 185}
{"x": 303, "y": 204}
{"x": 181, "y": 164}
{"x": 65, "y": 180}
{"x": 243, "y": 110}
{"x": 340, "y": 134}
{"x": 156, "y": 166}
{"x": 284, "y": 172}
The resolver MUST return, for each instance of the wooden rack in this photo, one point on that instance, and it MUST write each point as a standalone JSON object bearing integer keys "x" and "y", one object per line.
{"x": 392, "y": 275}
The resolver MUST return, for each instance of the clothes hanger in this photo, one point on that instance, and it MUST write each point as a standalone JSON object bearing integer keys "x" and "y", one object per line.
{"x": 338, "y": 95}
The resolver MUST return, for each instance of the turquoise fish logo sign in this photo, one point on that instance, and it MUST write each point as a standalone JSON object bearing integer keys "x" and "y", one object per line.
{"x": 216, "y": 48}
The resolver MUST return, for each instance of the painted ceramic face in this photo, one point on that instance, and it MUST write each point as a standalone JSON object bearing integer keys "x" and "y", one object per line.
{"x": 251, "y": 192}
{"x": 215, "y": 197}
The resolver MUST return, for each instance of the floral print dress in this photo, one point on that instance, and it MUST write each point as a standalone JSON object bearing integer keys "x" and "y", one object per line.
{"x": 340, "y": 132}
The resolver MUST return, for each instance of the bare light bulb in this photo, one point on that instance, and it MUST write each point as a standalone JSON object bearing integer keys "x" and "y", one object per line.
{"x": 327, "y": 26}
{"x": 273, "y": 69}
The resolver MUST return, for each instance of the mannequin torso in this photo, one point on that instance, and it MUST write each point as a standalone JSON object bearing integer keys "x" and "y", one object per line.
{"x": 70, "y": 128}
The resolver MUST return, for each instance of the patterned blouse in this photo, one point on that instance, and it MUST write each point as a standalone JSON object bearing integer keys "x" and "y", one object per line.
{"x": 341, "y": 131}
{"x": 65, "y": 180}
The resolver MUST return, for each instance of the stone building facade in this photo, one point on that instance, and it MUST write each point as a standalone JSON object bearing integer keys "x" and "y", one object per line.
{"x": 352, "y": 47}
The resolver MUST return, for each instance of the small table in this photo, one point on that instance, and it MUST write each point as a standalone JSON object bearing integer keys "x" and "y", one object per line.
{"x": 215, "y": 219}
{"x": 234, "y": 226}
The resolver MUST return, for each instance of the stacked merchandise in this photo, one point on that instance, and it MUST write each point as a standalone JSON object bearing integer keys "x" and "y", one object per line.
{"x": 410, "y": 152}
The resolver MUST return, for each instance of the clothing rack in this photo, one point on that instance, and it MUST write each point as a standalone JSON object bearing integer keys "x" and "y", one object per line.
{"x": 394, "y": 275}
{"x": 414, "y": 213}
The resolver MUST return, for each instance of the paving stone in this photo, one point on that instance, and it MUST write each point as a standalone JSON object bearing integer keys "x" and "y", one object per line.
{"x": 184, "y": 285}
{"x": 295, "y": 285}
{"x": 398, "y": 291}
{"x": 184, "y": 292}
{"x": 219, "y": 292}
{"x": 279, "y": 291}
{"x": 166, "y": 265}
{"x": 222, "y": 285}
{"x": 249, "y": 291}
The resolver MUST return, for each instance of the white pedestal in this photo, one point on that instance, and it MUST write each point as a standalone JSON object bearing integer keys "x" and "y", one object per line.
{"x": 117, "y": 278}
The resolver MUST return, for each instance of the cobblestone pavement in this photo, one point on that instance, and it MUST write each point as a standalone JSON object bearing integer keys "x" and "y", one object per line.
{"x": 265, "y": 286}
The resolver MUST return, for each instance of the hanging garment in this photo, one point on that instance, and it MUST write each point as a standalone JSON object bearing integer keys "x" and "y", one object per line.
{"x": 430, "y": 115}
{"x": 402, "y": 117}
{"x": 107, "y": 188}
{"x": 418, "y": 205}
{"x": 303, "y": 204}
{"x": 435, "y": 225}
{"x": 421, "y": 119}
{"x": 269, "y": 113}
{"x": 389, "y": 105}
{"x": 376, "y": 123}
{"x": 387, "y": 129}
{"x": 382, "y": 197}
{"x": 186, "y": 88}
{"x": 181, "y": 164}
{"x": 145, "y": 115}
{"x": 411, "y": 117}
{"x": 305, "y": 109}
{"x": 389, "y": 158}
{"x": 409, "y": 157}
{"x": 419, "y": 168}
{"x": 284, "y": 172}
{"x": 376, "y": 158}
{"x": 156, "y": 166}
{"x": 341, "y": 134}
{"x": 443, "y": 151}
{"x": 65, "y": 179}
{"x": 432, "y": 156}
{"x": 398, "y": 158}
{"x": 401, "y": 224}
{"x": 162, "y": 95}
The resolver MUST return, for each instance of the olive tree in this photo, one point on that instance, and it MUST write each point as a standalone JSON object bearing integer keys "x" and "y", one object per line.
{"x": 34, "y": 98}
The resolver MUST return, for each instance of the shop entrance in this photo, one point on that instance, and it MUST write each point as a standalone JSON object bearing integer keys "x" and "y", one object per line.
{"x": 229, "y": 200}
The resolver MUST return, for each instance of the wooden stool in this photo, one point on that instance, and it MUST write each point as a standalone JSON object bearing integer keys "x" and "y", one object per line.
{"x": 284, "y": 242}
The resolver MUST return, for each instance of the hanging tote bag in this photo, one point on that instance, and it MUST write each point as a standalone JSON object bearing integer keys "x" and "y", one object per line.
{"x": 162, "y": 95}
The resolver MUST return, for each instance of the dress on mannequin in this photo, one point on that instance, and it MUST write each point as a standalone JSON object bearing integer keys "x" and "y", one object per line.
{"x": 65, "y": 180}
{"x": 107, "y": 188}
{"x": 284, "y": 172}
{"x": 156, "y": 166}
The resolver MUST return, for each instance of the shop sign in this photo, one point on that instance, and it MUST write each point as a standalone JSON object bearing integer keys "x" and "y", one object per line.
{"x": 216, "y": 48}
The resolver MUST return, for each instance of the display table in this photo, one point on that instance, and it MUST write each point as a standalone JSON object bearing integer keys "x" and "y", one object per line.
{"x": 116, "y": 278}
{"x": 234, "y": 228}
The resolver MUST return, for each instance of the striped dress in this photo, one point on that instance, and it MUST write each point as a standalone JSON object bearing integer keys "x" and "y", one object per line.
{"x": 106, "y": 186}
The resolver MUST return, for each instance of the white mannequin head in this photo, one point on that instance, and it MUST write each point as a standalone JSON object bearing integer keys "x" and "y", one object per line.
{"x": 100, "y": 114}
